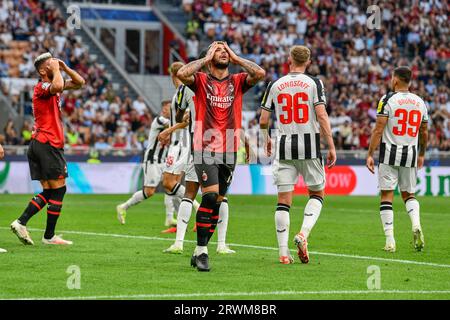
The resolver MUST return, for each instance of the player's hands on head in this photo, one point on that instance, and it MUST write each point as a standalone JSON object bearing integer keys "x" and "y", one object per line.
{"x": 212, "y": 49}
{"x": 420, "y": 162}
{"x": 54, "y": 64}
{"x": 233, "y": 56}
{"x": 331, "y": 158}
{"x": 62, "y": 64}
{"x": 370, "y": 164}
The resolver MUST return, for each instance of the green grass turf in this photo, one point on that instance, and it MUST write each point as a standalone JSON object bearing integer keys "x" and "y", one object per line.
{"x": 116, "y": 266}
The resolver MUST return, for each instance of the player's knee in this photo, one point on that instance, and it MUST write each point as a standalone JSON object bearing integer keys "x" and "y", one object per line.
{"x": 149, "y": 191}
{"x": 209, "y": 199}
{"x": 58, "y": 193}
{"x": 407, "y": 196}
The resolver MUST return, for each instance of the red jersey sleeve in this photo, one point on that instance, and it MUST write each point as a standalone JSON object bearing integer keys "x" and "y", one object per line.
{"x": 42, "y": 90}
{"x": 199, "y": 80}
{"x": 241, "y": 81}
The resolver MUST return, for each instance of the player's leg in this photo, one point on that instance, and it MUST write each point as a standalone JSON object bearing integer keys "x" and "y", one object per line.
{"x": 313, "y": 174}
{"x": 225, "y": 177}
{"x": 152, "y": 177}
{"x": 285, "y": 177}
{"x": 184, "y": 215}
{"x": 55, "y": 204}
{"x": 387, "y": 180}
{"x": 407, "y": 185}
{"x": 38, "y": 202}
{"x": 170, "y": 220}
{"x": 208, "y": 176}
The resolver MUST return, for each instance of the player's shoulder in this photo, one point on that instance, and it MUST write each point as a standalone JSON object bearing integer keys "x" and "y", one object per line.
{"x": 315, "y": 80}
{"x": 160, "y": 120}
{"x": 41, "y": 85}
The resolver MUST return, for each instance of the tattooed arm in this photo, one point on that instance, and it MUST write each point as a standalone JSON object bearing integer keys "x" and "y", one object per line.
{"x": 186, "y": 73}
{"x": 255, "y": 72}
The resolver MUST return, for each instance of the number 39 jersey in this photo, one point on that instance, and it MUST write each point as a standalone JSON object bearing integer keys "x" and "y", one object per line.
{"x": 294, "y": 98}
{"x": 406, "y": 112}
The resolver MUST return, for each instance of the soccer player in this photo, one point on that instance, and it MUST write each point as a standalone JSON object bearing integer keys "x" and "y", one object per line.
{"x": 153, "y": 166}
{"x": 46, "y": 150}
{"x": 299, "y": 102}
{"x": 185, "y": 103}
{"x": 218, "y": 110}
{"x": 401, "y": 128}
{"x": 2, "y": 154}
{"x": 179, "y": 149}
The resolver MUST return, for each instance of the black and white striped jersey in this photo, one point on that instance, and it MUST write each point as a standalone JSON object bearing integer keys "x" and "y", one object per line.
{"x": 399, "y": 143}
{"x": 294, "y": 98}
{"x": 155, "y": 152}
{"x": 185, "y": 101}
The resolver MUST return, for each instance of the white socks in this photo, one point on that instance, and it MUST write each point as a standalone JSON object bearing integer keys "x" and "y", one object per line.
{"x": 200, "y": 249}
{"x": 387, "y": 219}
{"x": 413, "y": 210}
{"x": 222, "y": 224}
{"x": 184, "y": 214}
{"x": 136, "y": 198}
{"x": 282, "y": 228}
{"x": 311, "y": 214}
{"x": 170, "y": 208}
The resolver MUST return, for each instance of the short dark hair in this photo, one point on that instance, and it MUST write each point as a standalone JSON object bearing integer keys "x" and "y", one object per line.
{"x": 403, "y": 74}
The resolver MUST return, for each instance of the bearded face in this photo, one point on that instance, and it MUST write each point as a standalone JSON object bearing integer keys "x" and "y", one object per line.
{"x": 221, "y": 58}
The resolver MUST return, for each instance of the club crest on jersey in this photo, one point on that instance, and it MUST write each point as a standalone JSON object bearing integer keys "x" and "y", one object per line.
{"x": 231, "y": 88}
{"x": 204, "y": 176}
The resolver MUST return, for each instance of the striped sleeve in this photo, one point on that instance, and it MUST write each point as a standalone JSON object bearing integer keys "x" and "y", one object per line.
{"x": 163, "y": 121}
{"x": 383, "y": 107}
{"x": 179, "y": 100}
{"x": 267, "y": 100}
{"x": 319, "y": 97}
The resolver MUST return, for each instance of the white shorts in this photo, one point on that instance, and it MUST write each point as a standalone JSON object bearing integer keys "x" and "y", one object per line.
{"x": 190, "y": 174}
{"x": 177, "y": 159}
{"x": 286, "y": 172}
{"x": 152, "y": 173}
{"x": 390, "y": 176}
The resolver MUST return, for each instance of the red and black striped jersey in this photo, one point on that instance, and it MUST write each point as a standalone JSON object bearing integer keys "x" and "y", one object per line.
{"x": 218, "y": 111}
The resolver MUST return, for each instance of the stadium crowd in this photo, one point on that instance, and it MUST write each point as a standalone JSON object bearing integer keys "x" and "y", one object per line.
{"x": 97, "y": 115}
{"x": 354, "y": 60}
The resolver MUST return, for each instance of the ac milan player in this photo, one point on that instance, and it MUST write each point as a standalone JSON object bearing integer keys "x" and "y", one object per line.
{"x": 218, "y": 109}
{"x": 46, "y": 153}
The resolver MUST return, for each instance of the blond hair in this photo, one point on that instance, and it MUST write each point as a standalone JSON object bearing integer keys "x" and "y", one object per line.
{"x": 174, "y": 67}
{"x": 300, "y": 55}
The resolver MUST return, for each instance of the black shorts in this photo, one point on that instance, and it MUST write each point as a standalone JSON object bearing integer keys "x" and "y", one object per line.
{"x": 215, "y": 169}
{"x": 46, "y": 162}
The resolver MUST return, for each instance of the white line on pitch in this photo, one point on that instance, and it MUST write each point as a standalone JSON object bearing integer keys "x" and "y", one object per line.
{"x": 246, "y": 294}
{"x": 341, "y": 255}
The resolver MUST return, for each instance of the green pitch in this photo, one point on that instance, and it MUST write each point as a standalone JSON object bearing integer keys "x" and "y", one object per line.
{"x": 126, "y": 261}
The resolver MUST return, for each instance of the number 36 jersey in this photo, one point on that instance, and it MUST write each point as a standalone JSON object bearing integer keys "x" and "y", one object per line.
{"x": 406, "y": 112}
{"x": 294, "y": 98}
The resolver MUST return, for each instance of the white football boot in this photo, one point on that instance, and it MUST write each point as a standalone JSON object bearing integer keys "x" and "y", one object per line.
{"x": 56, "y": 240}
{"x": 390, "y": 245}
{"x": 419, "y": 241}
{"x": 121, "y": 213}
{"x": 3, "y": 250}
{"x": 174, "y": 249}
{"x": 302, "y": 247}
{"x": 224, "y": 249}
{"x": 21, "y": 232}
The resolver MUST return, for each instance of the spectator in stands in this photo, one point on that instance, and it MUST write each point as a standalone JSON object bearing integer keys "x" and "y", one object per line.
{"x": 192, "y": 47}
{"x": 139, "y": 105}
{"x": 11, "y": 136}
